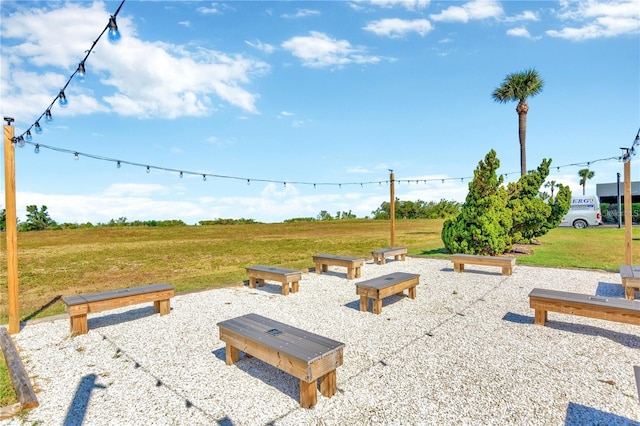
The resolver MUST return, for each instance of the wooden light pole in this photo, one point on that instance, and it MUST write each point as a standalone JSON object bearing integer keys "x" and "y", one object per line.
{"x": 392, "y": 208}
{"x": 628, "y": 221}
{"x": 11, "y": 230}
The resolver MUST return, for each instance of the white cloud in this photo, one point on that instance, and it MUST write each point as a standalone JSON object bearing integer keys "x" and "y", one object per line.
{"x": 473, "y": 10}
{"x": 395, "y": 27}
{"x": 596, "y": 19}
{"x": 262, "y": 47}
{"x": 318, "y": 50}
{"x": 138, "y": 78}
{"x": 407, "y": 4}
{"x": 519, "y": 32}
{"x": 301, "y": 13}
{"x": 527, "y": 15}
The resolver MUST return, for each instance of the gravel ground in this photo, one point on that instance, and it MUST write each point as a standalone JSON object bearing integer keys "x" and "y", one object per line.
{"x": 465, "y": 351}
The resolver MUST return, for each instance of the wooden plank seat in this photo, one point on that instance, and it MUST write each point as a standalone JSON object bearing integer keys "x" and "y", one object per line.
{"x": 259, "y": 273}
{"x": 586, "y": 305}
{"x": 380, "y": 287}
{"x": 506, "y": 263}
{"x": 353, "y": 264}
{"x": 79, "y": 306}
{"x": 398, "y": 253}
{"x": 306, "y": 356}
{"x": 630, "y": 275}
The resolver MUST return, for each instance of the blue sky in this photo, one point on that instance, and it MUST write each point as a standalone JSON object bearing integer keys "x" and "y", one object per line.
{"x": 280, "y": 96}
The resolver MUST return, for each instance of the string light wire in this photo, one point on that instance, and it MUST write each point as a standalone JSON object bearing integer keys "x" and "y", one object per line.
{"x": 61, "y": 94}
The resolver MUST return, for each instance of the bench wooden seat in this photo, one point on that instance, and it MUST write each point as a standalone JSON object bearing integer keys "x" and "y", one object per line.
{"x": 398, "y": 253}
{"x": 306, "y": 356}
{"x": 79, "y": 306}
{"x": 586, "y": 305}
{"x": 506, "y": 263}
{"x": 259, "y": 273}
{"x": 353, "y": 264}
{"x": 630, "y": 280}
{"x": 386, "y": 285}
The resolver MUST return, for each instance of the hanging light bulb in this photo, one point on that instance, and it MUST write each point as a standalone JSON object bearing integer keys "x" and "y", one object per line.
{"x": 148, "y": 169}
{"x": 37, "y": 127}
{"x": 27, "y": 136}
{"x": 76, "y": 156}
{"x": 47, "y": 116}
{"x": 180, "y": 175}
{"x": 118, "y": 164}
{"x": 37, "y": 149}
{"x": 114, "y": 34}
{"x": 62, "y": 99}
{"x": 20, "y": 141}
{"x": 81, "y": 72}
{"x": 204, "y": 178}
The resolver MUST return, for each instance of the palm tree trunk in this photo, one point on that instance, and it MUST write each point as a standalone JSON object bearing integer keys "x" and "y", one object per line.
{"x": 522, "y": 110}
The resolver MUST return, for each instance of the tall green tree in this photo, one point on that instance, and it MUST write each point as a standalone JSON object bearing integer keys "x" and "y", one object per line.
{"x": 484, "y": 222}
{"x": 585, "y": 174}
{"x": 37, "y": 220}
{"x": 519, "y": 87}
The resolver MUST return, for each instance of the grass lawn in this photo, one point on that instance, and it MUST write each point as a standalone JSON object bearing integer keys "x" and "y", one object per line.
{"x": 53, "y": 264}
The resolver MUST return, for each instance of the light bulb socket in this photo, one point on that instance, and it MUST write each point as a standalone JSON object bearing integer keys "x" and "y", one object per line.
{"x": 62, "y": 99}
{"x": 114, "y": 34}
{"x": 81, "y": 71}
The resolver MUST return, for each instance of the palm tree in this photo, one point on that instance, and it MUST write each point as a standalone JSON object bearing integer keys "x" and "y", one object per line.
{"x": 584, "y": 175}
{"x": 518, "y": 87}
{"x": 551, "y": 184}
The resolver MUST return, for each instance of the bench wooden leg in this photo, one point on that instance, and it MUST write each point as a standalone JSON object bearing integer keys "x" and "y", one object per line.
{"x": 350, "y": 273}
{"x": 506, "y": 270}
{"x": 412, "y": 292}
{"x": 458, "y": 267}
{"x": 285, "y": 288}
{"x": 377, "y": 306}
{"x": 79, "y": 324}
{"x": 232, "y": 354}
{"x": 308, "y": 394}
{"x": 403, "y": 257}
{"x": 540, "y": 317}
{"x": 252, "y": 282}
{"x": 294, "y": 287}
{"x": 630, "y": 293}
{"x": 328, "y": 384}
{"x": 364, "y": 303}
{"x": 162, "y": 307}
{"x": 324, "y": 268}
{"x": 383, "y": 260}
{"x": 358, "y": 271}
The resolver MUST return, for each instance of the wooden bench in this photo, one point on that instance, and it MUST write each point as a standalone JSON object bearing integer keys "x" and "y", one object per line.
{"x": 398, "y": 253}
{"x": 79, "y": 306}
{"x": 259, "y": 273}
{"x": 630, "y": 280}
{"x": 386, "y": 285}
{"x": 304, "y": 355}
{"x": 506, "y": 263}
{"x": 586, "y": 305}
{"x": 353, "y": 265}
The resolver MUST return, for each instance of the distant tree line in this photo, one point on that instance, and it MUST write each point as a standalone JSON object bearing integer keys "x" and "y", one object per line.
{"x": 418, "y": 209}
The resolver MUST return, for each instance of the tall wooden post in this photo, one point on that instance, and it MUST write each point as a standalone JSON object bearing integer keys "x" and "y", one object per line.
{"x": 392, "y": 208}
{"x": 11, "y": 230}
{"x": 628, "y": 221}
